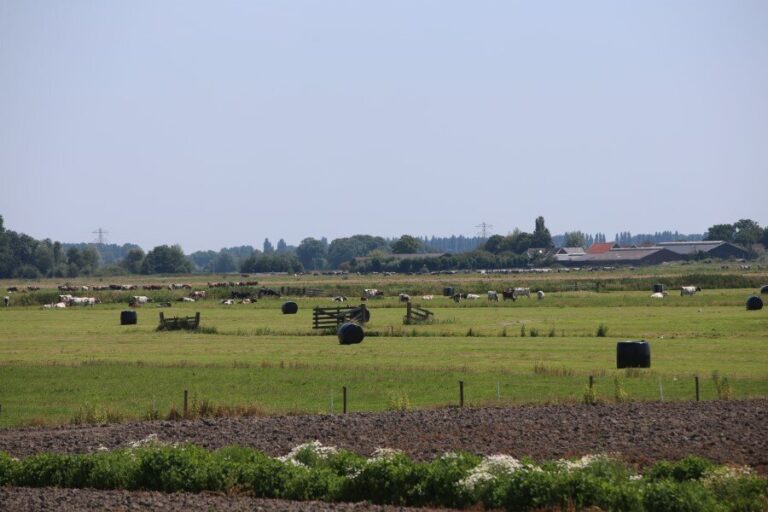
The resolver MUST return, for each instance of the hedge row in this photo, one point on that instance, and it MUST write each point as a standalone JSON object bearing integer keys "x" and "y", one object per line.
{"x": 314, "y": 472}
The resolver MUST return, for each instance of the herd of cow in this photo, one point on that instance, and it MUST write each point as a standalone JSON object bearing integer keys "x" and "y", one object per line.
{"x": 247, "y": 297}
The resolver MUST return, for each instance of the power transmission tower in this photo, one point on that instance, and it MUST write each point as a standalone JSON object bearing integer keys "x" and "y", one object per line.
{"x": 484, "y": 229}
{"x": 101, "y": 237}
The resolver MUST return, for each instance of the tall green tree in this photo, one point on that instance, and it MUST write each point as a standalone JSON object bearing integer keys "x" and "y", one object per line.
{"x": 133, "y": 261}
{"x": 748, "y": 232}
{"x": 575, "y": 239}
{"x": 541, "y": 235}
{"x": 312, "y": 253}
{"x": 724, "y": 232}
{"x": 268, "y": 247}
{"x": 165, "y": 259}
{"x": 407, "y": 244}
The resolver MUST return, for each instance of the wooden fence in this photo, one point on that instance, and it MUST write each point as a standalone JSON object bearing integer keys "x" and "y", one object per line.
{"x": 416, "y": 314}
{"x": 179, "y": 322}
{"x": 325, "y": 318}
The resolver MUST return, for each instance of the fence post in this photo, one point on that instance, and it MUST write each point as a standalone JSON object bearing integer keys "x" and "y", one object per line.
{"x": 461, "y": 393}
{"x": 344, "y": 399}
{"x": 591, "y": 381}
{"x": 696, "y": 379}
{"x": 186, "y": 396}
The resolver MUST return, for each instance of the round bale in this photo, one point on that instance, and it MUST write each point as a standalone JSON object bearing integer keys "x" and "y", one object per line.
{"x": 754, "y": 303}
{"x": 658, "y": 288}
{"x": 350, "y": 334}
{"x": 764, "y": 289}
{"x": 633, "y": 354}
{"x": 289, "y": 308}
{"x": 128, "y": 318}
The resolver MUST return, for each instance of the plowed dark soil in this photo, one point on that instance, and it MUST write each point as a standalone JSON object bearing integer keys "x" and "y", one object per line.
{"x": 723, "y": 431}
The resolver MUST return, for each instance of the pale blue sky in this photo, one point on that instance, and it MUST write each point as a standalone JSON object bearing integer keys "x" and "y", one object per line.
{"x": 214, "y": 124}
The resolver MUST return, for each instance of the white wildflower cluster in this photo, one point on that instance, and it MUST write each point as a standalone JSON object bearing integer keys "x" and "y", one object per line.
{"x": 384, "y": 453}
{"x": 150, "y": 440}
{"x": 315, "y": 447}
{"x": 731, "y": 472}
{"x": 492, "y": 467}
{"x": 583, "y": 462}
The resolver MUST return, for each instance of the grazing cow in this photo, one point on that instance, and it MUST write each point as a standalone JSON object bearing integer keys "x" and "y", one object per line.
{"x": 493, "y": 296}
{"x": 472, "y": 296}
{"x": 658, "y": 295}
{"x": 198, "y": 294}
{"x": 456, "y": 297}
{"x": 246, "y": 301}
{"x": 404, "y": 297}
{"x": 66, "y": 299}
{"x": 12, "y": 289}
{"x": 141, "y": 299}
{"x": 185, "y": 299}
{"x": 152, "y": 287}
{"x": 60, "y": 305}
{"x": 689, "y": 290}
{"x": 373, "y": 292}
{"x": 427, "y": 297}
{"x": 522, "y": 292}
{"x": 7, "y": 301}
{"x": 227, "y": 302}
{"x": 339, "y": 298}
{"x": 82, "y": 301}
{"x": 509, "y": 294}
{"x": 540, "y": 294}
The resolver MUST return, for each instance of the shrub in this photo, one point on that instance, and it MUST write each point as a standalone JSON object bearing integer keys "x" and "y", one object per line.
{"x": 689, "y": 468}
{"x": 722, "y": 386}
{"x": 672, "y": 496}
{"x": 392, "y": 479}
{"x": 619, "y": 394}
{"x": 169, "y": 469}
{"x": 8, "y": 468}
{"x": 398, "y": 401}
{"x": 602, "y": 331}
{"x": 590, "y": 396}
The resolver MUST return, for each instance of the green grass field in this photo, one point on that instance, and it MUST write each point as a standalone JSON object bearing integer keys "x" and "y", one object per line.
{"x": 53, "y": 362}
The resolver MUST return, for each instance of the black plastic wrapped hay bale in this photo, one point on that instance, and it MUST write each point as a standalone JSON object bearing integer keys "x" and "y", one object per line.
{"x": 289, "y": 308}
{"x": 633, "y": 354}
{"x": 128, "y": 318}
{"x": 448, "y": 291}
{"x": 350, "y": 334}
{"x": 658, "y": 288}
{"x": 754, "y": 303}
{"x": 764, "y": 289}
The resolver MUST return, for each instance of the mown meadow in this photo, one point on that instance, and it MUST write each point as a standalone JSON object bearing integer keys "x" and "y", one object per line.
{"x": 81, "y": 365}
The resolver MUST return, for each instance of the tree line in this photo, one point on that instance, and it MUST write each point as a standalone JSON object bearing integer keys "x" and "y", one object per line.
{"x": 22, "y": 256}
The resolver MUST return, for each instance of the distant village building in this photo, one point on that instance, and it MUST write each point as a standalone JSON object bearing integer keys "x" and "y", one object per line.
{"x": 602, "y": 247}
{"x": 564, "y": 254}
{"x": 708, "y": 248}
{"x": 610, "y": 253}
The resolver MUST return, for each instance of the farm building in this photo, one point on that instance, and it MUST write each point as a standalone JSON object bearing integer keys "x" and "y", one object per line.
{"x": 564, "y": 254}
{"x": 602, "y": 247}
{"x": 709, "y": 248}
{"x": 620, "y": 256}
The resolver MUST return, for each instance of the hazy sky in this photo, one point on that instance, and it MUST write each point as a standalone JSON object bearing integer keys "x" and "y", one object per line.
{"x": 213, "y": 124}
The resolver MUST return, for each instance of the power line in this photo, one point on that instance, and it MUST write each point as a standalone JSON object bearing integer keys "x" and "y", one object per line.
{"x": 484, "y": 229}
{"x": 101, "y": 237}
